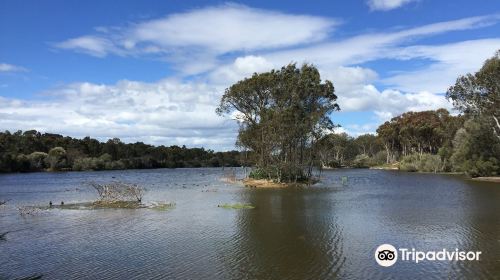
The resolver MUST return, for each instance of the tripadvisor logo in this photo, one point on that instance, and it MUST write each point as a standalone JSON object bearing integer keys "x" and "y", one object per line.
{"x": 387, "y": 255}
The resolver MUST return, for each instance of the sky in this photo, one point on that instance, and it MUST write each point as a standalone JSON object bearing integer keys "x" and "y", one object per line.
{"x": 154, "y": 71}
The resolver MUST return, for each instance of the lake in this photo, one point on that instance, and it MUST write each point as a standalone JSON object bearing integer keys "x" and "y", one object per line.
{"x": 327, "y": 231}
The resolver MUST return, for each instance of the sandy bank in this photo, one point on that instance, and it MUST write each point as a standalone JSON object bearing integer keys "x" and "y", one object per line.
{"x": 263, "y": 183}
{"x": 488, "y": 179}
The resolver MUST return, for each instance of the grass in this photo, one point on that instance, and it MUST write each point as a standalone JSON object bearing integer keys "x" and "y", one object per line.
{"x": 100, "y": 204}
{"x": 159, "y": 206}
{"x": 236, "y": 206}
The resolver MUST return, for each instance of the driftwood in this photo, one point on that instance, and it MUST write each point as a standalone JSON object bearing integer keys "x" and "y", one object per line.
{"x": 118, "y": 191}
{"x": 28, "y": 210}
{"x": 229, "y": 176}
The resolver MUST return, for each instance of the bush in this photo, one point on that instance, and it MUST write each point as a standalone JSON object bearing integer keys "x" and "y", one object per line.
{"x": 379, "y": 158}
{"x": 476, "y": 151}
{"x": 37, "y": 160}
{"x": 361, "y": 161}
{"x": 57, "y": 158}
{"x": 282, "y": 173}
{"x": 421, "y": 162}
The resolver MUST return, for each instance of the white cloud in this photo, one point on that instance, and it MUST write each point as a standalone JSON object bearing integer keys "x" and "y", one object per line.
{"x": 92, "y": 45}
{"x": 228, "y": 43}
{"x": 242, "y": 67}
{"x": 348, "y": 79}
{"x": 447, "y": 62}
{"x": 215, "y": 30}
{"x": 369, "y": 98}
{"x": 166, "y": 112}
{"x": 386, "y": 5}
{"x": 371, "y": 47}
{"x": 231, "y": 28}
{"x": 4, "y": 67}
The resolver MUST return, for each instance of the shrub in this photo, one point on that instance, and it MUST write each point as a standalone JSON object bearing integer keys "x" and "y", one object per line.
{"x": 361, "y": 161}
{"x": 379, "y": 158}
{"x": 421, "y": 162}
{"x": 37, "y": 160}
{"x": 57, "y": 158}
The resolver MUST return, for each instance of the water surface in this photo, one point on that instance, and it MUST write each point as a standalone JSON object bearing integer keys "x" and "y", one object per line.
{"x": 328, "y": 231}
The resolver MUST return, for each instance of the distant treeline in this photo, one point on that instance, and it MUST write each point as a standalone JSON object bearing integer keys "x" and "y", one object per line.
{"x": 427, "y": 141}
{"x": 285, "y": 121}
{"x": 33, "y": 151}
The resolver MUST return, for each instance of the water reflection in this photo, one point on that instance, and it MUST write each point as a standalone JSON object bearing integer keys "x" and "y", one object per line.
{"x": 290, "y": 235}
{"x": 327, "y": 231}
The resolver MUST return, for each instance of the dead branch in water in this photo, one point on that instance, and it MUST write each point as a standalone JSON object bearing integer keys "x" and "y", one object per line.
{"x": 28, "y": 210}
{"x": 229, "y": 176}
{"x": 118, "y": 191}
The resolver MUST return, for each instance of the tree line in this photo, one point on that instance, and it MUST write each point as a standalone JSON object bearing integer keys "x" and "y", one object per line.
{"x": 286, "y": 126}
{"x": 35, "y": 151}
{"x": 435, "y": 140}
{"x": 285, "y": 121}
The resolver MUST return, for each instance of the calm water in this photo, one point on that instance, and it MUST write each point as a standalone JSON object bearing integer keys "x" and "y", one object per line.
{"x": 328, "y": 231}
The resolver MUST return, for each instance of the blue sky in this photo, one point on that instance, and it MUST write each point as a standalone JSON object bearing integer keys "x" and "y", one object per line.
{"x": 153, "y": 71}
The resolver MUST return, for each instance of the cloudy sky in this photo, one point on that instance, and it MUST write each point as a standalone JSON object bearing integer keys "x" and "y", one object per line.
{"x": 154, "y": 71}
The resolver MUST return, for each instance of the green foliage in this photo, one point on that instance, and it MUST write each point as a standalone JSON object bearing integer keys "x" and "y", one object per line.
{"x": 282, "y": 114}
{"x": 37, "y": 161}
{"x": 476, "y": 150}
{"x": 476, "y": 147}
{"x": 162, "y": 206}
{"x": 57, "y": 158}
{"x": 421, "y": 162}
{"x": 478, "y": 94}
{"x": 33, "y": 151}
{"x": 336, "y": 150}
{"x": 379, "y": 158}
{"x": 418, "y": 132}
{"x": 361, "y": 161}
{"x": 260, "y": 173}
{"x": 236, "y": 206}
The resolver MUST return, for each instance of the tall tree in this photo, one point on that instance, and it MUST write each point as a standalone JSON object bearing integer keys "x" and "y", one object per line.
{"x": 479, "y": 94}
{"x": 282, "y": 114}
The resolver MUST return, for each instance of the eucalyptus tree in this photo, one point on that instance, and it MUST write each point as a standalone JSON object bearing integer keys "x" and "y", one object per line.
{"x": 479, "y": 94}
{"x": 476, "y": 147}
{"x": 282, "y": 113}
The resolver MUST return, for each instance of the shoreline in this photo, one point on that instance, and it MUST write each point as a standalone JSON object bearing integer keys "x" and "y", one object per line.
{"x": 99, "y": 170}
{"x": 490, "y": 179}
{"x": 264, "y": 183}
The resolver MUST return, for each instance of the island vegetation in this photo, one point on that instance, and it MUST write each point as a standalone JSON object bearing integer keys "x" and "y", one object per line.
{"x": 282, "y": 115}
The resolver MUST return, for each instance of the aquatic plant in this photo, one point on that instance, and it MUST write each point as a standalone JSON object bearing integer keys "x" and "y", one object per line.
{"x": 99, "y": 204}
{"x": 236, "y": 206}
{"x": 162, "y": 206}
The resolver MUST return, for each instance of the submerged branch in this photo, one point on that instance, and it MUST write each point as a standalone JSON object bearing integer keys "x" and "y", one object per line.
{"x": 118, "y": 192}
